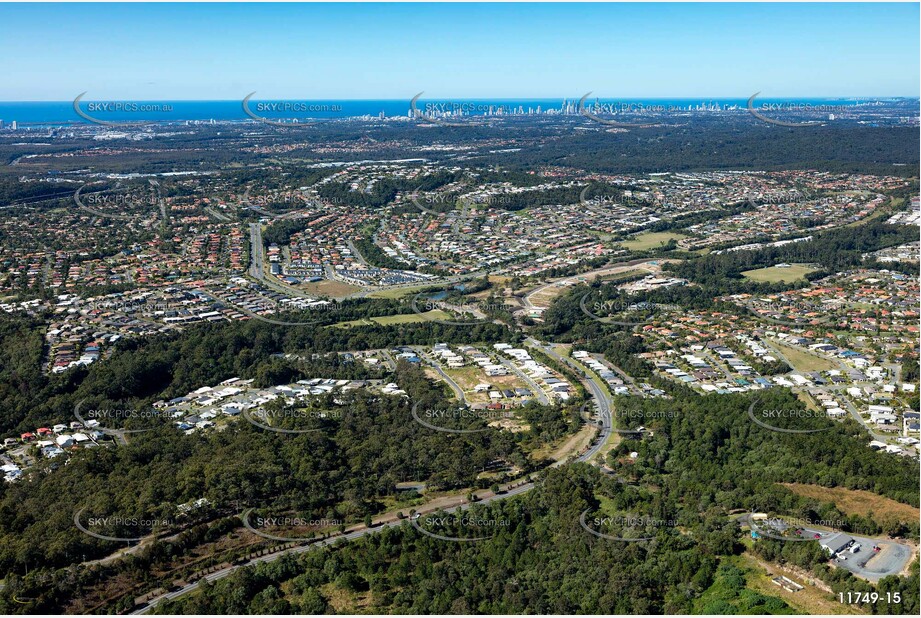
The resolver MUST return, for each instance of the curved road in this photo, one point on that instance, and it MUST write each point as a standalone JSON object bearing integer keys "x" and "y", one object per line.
{"x": 610, "y": 269}
{"x": 604, "y": 405}
{"x": 538, "y": 391}
{"x": 835, "y": 387}
{"x": 602, "y": 399}
{"x": 437, "y": 367}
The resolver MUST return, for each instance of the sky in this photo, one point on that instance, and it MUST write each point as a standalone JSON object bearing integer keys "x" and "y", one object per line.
{"x": 53, "y": 52}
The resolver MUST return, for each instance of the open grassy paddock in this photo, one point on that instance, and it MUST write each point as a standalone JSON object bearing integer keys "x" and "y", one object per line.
{"x": 774, "y": 274}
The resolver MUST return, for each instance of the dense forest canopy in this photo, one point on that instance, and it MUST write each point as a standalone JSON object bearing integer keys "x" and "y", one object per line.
{"x": 700, "y": 464}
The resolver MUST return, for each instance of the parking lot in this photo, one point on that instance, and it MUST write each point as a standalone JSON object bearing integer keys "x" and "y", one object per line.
{"x": 873, "y": 565}
{"x": 866, "y": 562}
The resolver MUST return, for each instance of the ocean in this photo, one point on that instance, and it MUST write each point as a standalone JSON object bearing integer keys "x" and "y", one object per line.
{"x": 63, "y": 113}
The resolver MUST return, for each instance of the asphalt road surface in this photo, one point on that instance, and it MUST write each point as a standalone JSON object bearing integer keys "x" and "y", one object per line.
{"x": 434, "y": 364}
{"x": 255, "y": 250}
{"x": 605, "y": 409}
{"x": 604, "y": 403}
{"x": 866, "y": 563}
{"x": 221, "y": 574}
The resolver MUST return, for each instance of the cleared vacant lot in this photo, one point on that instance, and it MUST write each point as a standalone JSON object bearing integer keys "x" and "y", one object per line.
{"x": 650, "y": 240}
{"x": 333, "y": 289}
{"x": 773, "y": 274}
{"x": 804, "y": 361}
{"x": 858, "y": 502}
{"x": 399, "y": 292}
{"x": 809, "y": 600}
{"x": 542, "y": 296}
{"x": 468, "y": 377}
{"x": 403, "y": 318}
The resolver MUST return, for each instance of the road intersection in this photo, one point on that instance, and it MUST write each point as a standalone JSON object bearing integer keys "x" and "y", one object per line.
{"x": 513, "y": 490}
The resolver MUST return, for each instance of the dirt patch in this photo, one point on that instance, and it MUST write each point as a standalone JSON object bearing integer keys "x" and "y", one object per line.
{"x": 858, "y": 502}
{"x": 815, "y": 598}
{"x": 574, "y": 444}
{"x": 470, "y": 376}
{"x": 344, "y": 601}
{"x": 543, "y": 296}
{"x": 327, "y": 287}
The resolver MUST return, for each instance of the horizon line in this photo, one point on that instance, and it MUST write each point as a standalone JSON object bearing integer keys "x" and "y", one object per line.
{"x": 485, "y": 98}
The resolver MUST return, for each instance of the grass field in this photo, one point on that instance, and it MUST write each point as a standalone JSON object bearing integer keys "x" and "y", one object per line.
{"x": 624, "y": 275}
{"x": 344, "y": 601}
{"x": 409, "y": 318}
{"x": 870, "y": 219}
{"x": 809, "y": 402}
{"x": 399, "y": 292}
{"x": 471, "y": 375}
{"x": 858, "y": 502}
{"x": 650, "y": 240}
{"x": 773, "y": 274}
{"x": 403, "y": 318}
{"x": 566, "y": 446}
{"x": 803, "y": 361}
{"x": 332, "y": 289}
{"x": 467, "y": 378}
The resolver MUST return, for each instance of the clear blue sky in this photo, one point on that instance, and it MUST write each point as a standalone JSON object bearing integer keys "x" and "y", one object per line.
{"x": 392, "y": 51}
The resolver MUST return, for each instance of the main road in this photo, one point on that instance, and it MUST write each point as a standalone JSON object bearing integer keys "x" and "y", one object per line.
{"x": 434, "y": 364}
{"x": 602, "y": 399}
{"x": 349, "y": 536}
{"x": 854, "y": 412}
{"x": 604, "y": 406}
{"x": 255, "y": 252}
{"x": 257, "y": 265}
{"x": 650, "y": 266}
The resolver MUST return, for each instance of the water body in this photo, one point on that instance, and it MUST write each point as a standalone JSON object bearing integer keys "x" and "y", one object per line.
{"x": 62, "y": 112}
